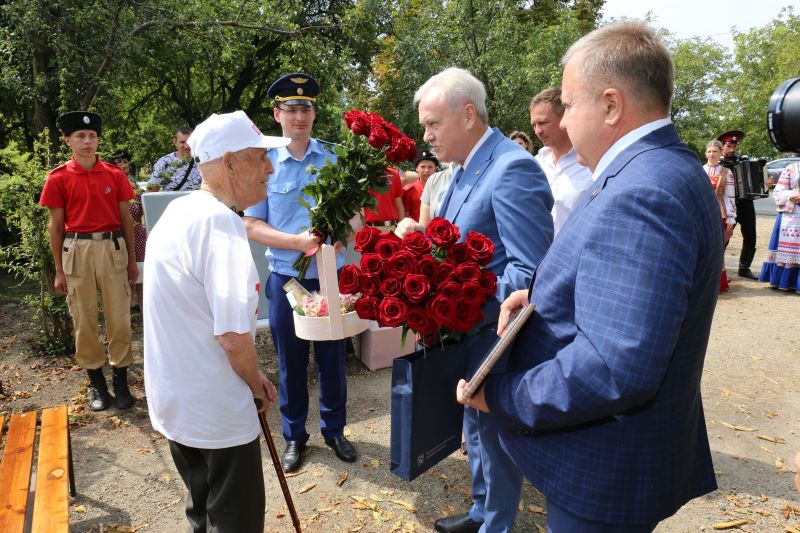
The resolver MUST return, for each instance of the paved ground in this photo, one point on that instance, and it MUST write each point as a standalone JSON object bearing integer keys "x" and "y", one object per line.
{"x": 126, "y": 480}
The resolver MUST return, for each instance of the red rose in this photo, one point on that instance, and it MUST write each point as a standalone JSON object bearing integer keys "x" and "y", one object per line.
{"x": 367, "y": 307}
{"x": 365, "y": 239}
{"x": 472, "y": 293}
{"x": 369, "y": 284}
{"x": 360, "y": 125}
{"x": 392, "y": 312}
{"x": 378, "y": 136}
{"x": 450, "y": 290}
{"x": 349, "y": 279}
{"x": 416, "y": 243}
{"x": 386, "y": 248}
{"x": 468, "y": 271}
{"x": 442, "y": 232}
{"x": 428, "y": 267}
{"x": 419, "y": 321}
{"x": 371, "y": 263}
{"x": 465, "y": 317}
{"x": 481, "y": 248}
{"x": 416, "y": 287}
{"x": 444, "y": 272}
{"x": 357, "y": 121}
{"x": 488, "y": 282}
{"x": 442, "y": 309}
{"x": 458, "y": 253}
{"x": 400, "y": 265}
{"x": 392, "y": 287}
{"x": 401, "y": 149}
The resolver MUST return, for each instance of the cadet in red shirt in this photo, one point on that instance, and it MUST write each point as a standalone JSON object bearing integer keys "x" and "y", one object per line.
{"x": 389, "y": 208}
{"x": 91, "y": 237}
{"x": 425, "y": 164}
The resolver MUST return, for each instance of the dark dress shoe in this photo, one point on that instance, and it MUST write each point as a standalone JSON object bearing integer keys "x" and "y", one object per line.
{"x": 747, "y": 273}
{"x": 461, "y": 523}
{"x": 342, "y": 448}
{"x": 292, "y": 455}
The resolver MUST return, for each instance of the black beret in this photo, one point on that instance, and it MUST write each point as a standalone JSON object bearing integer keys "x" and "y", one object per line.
{"x": 72, "y": 121}
{"x": 296, "y": 88}
{"x": 425, "y": 155}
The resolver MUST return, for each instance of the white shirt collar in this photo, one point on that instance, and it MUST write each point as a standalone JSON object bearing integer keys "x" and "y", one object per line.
{"x": 625, "y": 141}
{"x": 475, "y": 148}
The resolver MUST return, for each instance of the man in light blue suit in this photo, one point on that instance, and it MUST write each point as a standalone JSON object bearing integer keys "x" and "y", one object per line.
{"x": 600, "y": 406}
{"x": 499, "y": 190}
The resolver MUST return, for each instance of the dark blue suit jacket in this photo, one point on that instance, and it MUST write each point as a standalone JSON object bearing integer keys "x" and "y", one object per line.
{"x": 601, "y": 404}
{"x": 504, "y": 194}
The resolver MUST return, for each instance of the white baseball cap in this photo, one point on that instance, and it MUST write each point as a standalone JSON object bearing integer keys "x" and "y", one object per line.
{"x": 229, "y": 132}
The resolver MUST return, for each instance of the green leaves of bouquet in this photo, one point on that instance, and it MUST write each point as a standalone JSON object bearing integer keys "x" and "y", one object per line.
{"x": 341, "y": 189}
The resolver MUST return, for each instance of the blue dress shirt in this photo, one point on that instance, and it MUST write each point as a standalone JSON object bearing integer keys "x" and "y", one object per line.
{"x": 282, "y": 209}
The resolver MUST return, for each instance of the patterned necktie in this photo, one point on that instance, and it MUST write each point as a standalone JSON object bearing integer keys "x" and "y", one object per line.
{"x": 442, "y": 211}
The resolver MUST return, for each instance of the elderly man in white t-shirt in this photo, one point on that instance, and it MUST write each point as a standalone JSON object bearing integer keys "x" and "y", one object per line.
{"x": 201, "y": 299}
{"x": 568, "y": 179}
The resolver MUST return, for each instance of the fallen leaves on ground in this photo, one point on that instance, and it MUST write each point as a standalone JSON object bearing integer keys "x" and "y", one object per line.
{"x": 731, "y": 524}
{"x": 342, "y": 478}
{"x": 769, "y": 438}
{"x": 791, "y": 512}
{"x": 307, "y": 488}
{"x": 294, "y": 474}
{"x": 738, "y": 428}
{"x": 536, "y": 509}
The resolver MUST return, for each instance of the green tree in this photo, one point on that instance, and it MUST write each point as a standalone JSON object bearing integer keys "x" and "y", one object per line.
{"x": 701, "y": 85}
{"x": 764, "y": 58}
{"x": 29, "y": 258}
{"x": 513, "y": 47}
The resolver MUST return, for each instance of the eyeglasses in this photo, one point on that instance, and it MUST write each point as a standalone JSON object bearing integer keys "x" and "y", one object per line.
{"x": 297, "y": 109}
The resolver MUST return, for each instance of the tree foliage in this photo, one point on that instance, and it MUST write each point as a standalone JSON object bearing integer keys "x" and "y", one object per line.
{"x": 513, "y": 47}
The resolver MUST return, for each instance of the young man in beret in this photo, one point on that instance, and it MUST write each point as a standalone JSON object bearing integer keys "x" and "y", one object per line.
{"x": 281, "y": 224}
{"x": 91, "y": 238}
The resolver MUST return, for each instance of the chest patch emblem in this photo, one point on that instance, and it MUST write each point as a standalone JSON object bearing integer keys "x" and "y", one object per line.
{"x": 108, "y": 189}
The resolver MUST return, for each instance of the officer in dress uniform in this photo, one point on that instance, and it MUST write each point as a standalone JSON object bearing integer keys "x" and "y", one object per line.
{"x": 281, "y": 224}
{"x": 745, "y": 212}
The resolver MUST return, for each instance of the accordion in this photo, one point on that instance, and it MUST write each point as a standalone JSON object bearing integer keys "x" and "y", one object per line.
{"x": 749, "y": 177}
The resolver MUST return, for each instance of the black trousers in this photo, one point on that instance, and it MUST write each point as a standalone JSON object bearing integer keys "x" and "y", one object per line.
{"x": 746, "y": 217}
{"x": 226, "y": 487}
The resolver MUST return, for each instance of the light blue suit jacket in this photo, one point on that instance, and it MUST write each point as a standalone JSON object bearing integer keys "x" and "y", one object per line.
{"x": 504, "y": 194}
{"x": 601, "y": 405}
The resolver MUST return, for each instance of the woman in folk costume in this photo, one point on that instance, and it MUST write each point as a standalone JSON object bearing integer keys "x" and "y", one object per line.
{"x": 782, "y": 266}
{"x": 723, "y": 183}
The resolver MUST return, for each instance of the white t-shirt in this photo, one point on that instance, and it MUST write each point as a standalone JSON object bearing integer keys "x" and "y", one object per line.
{"x": 199, "y": 281}
{"x": 569, "y": 181}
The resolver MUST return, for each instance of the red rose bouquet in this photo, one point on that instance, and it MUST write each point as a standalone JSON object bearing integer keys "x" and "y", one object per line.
{"x": 341, "y": 189}
{"x": 428, "y": 283}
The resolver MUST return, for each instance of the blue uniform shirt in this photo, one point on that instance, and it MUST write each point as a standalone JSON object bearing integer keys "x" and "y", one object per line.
{"x": 282, "y": 209}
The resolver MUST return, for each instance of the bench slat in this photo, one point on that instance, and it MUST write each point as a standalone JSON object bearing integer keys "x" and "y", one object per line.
{"x": 51, "y": 502}
{"x": 15, "y": 471}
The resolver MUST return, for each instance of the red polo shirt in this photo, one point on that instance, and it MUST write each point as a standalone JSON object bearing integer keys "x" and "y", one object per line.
{"x": 90, "y": 198}
{"x": 411, "y": 198}
{"x": 385, "y": 209}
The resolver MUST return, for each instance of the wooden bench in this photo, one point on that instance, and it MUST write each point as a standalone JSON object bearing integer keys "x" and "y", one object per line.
{"x": 48, "y": 510}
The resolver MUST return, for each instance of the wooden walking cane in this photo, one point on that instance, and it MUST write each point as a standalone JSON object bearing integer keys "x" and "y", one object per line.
{"x": 276, "y": 462}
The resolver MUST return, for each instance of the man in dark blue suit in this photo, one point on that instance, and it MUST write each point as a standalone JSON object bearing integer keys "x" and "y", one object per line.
{"x": 499, "y": 190}
{"x": 600, "y": 406}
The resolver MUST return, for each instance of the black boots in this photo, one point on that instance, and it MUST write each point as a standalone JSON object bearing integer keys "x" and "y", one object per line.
{"x": 99, "y": 399}
{"x": 122, "y": 395}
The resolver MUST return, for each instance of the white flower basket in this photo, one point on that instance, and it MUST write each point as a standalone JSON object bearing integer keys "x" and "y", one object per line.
{"x": 337, "y": 325}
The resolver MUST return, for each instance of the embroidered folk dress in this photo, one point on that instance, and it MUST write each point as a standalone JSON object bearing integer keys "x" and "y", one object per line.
{"x": 721, "y": 179}
{"x": 782, "y": 266}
